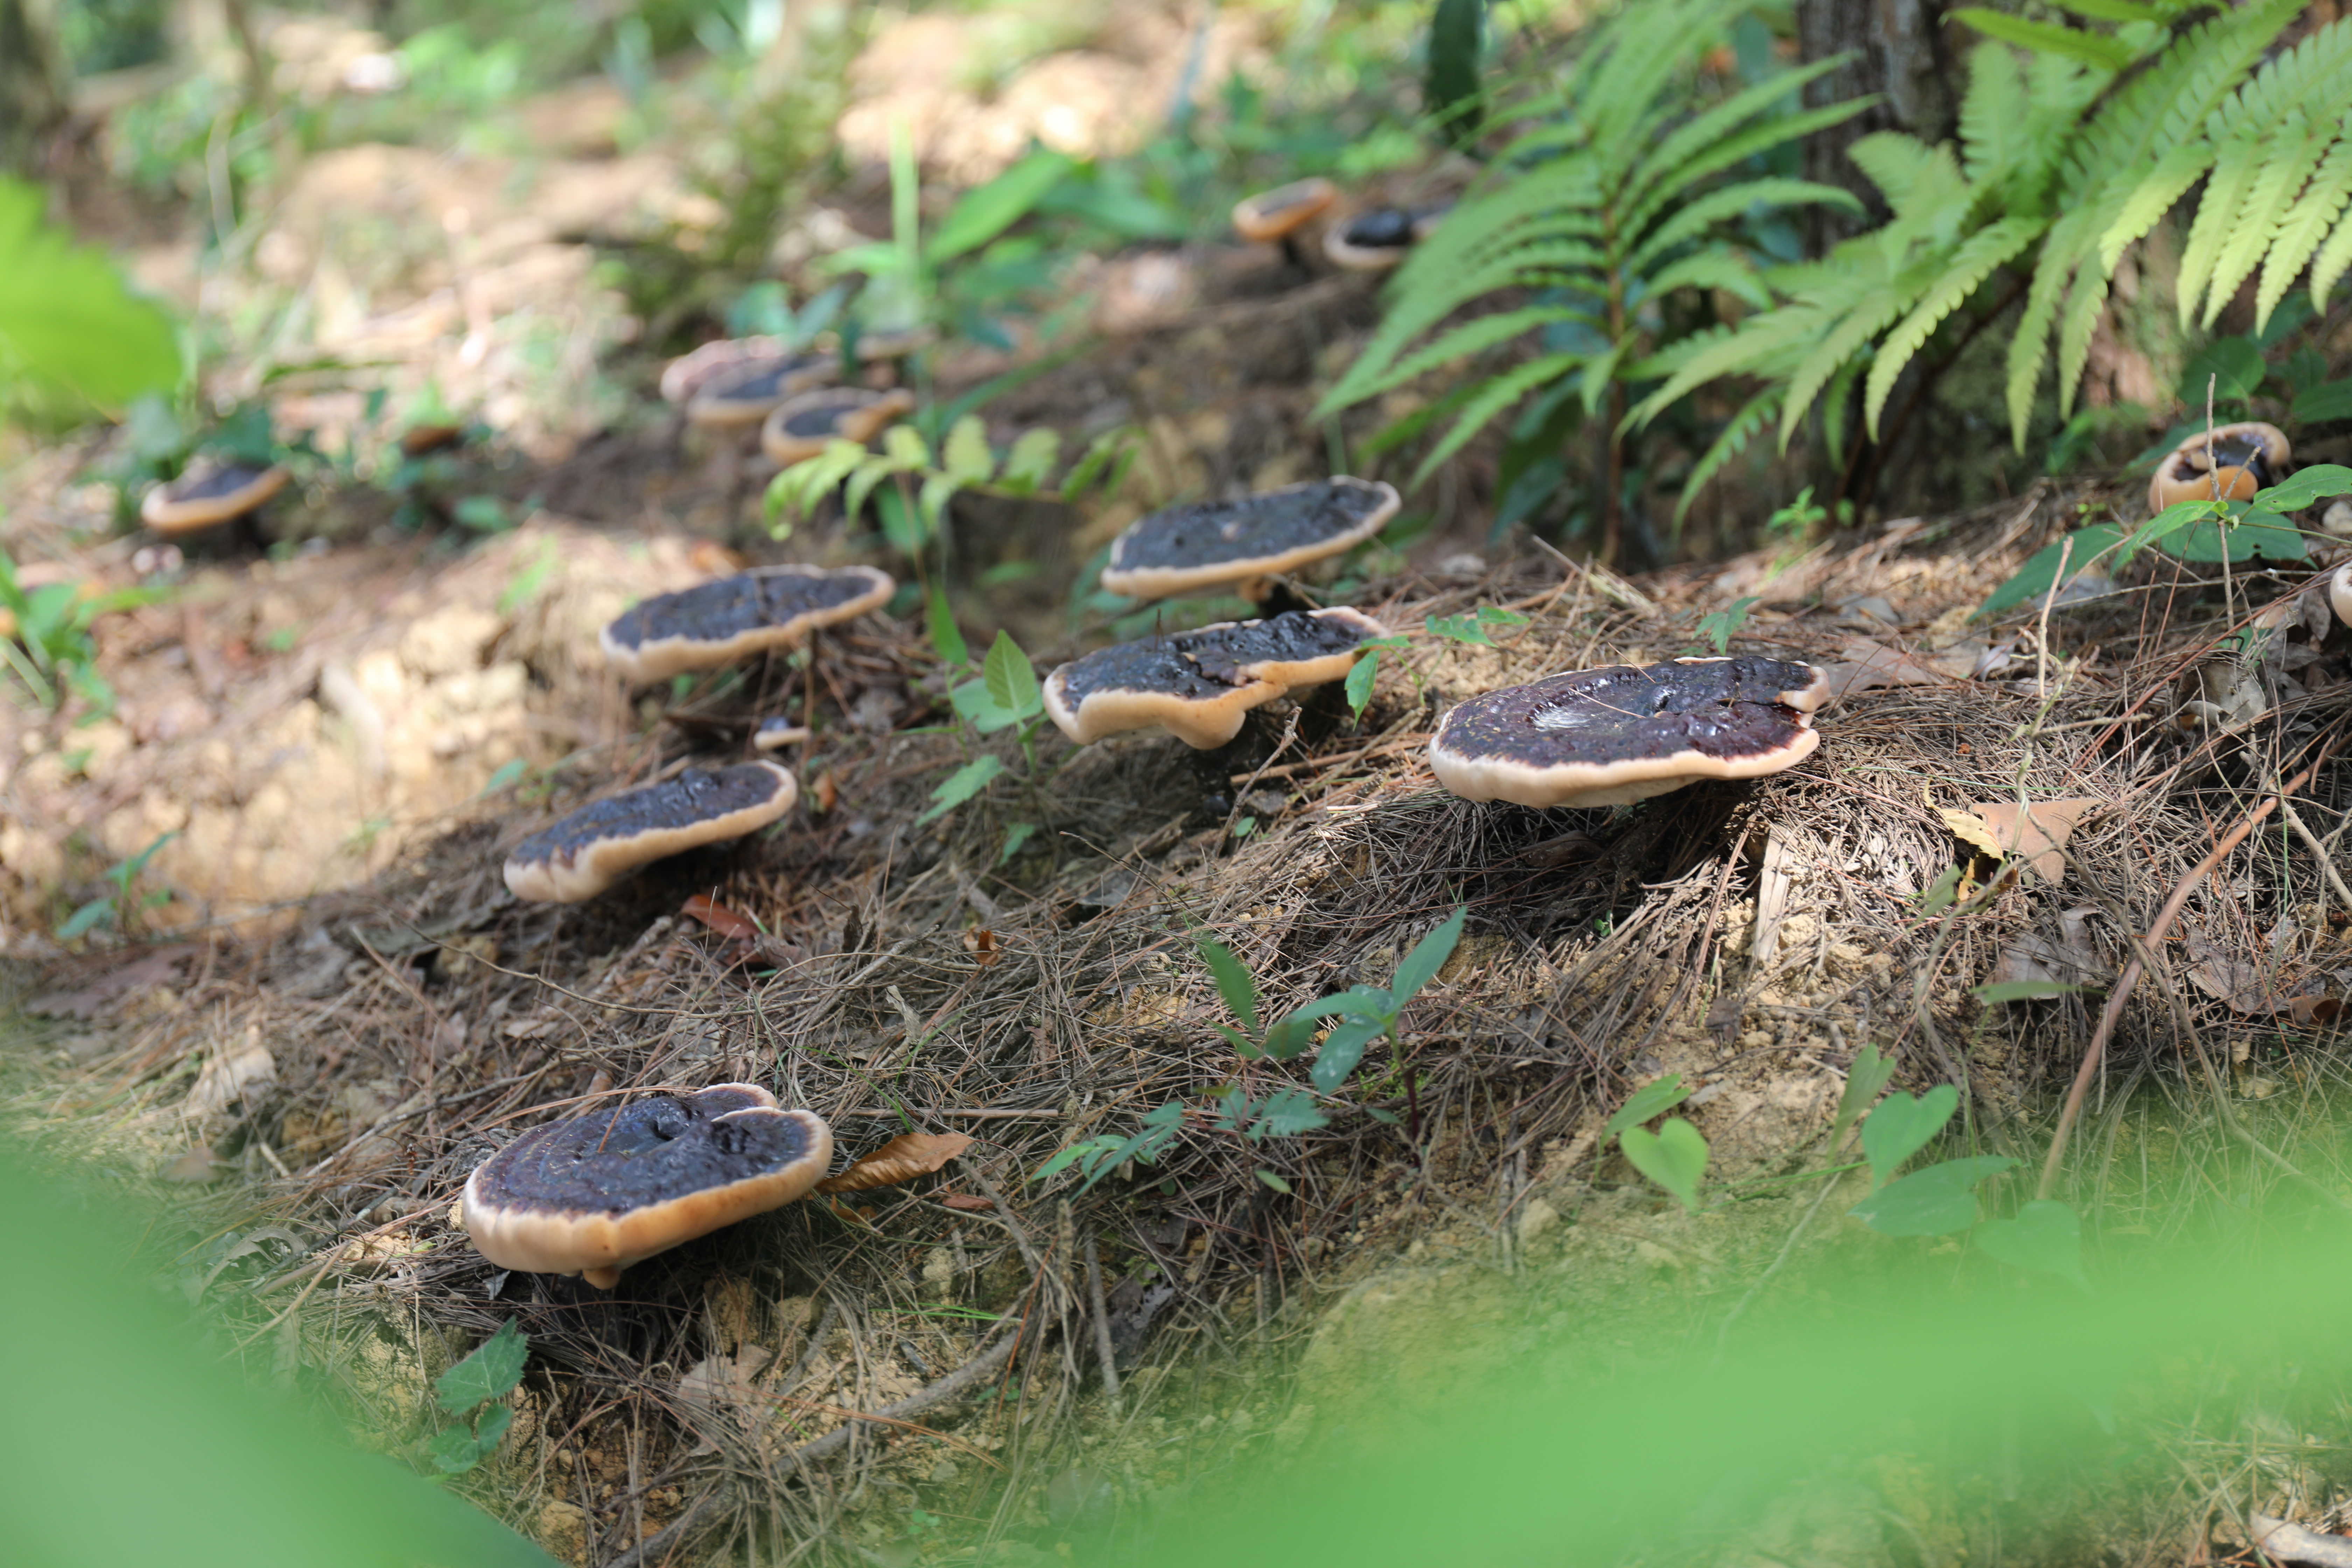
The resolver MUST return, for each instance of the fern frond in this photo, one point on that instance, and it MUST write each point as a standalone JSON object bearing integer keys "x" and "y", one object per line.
{"x": 1493, "y": 399}
{"x": 2225, "y": 193}
{"x": 1732, "y": 440}
{"x": 1692, "y": 218}
{"x": 2294, "y": 155}
{"x": 1726, "y": 270}
{"x": 1896, "y": 163}
{"x": 1474, "y": 336}
{"x": 2117, "y": 10}
{"x": 1777, "y": 131}
{"x": 2147, "y": 203}
{"x": 1703, "y": 130}
{"x": 1763, "y": 344}
{"x": 2029, "y": 350}
{"x": 2300, "y": 232}
{"x": 2095, "y": 50}
{"x": 1647, "y": 44}
{"x": 2076, "y": 325}
{"x": 1867, "y": 317}
{"x": 1992, "y": 112}
{"x": 2329, "y": 267}
{"x": 1971, "y": 264}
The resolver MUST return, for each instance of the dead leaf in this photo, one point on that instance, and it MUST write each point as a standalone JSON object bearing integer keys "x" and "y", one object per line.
{"x": 964, "y": 1201}
{"x": 981, "y": 942}
{"x": 727, "y": 922}
{"x": 157, "y": 968}
{"x": 2036, "y": 833}
{"x": 196, "y": 1166}
{"x": 1972, "y": 831}
{"x": 2310, "y": 1010}
{"x": 228, "y": 1076}
{"x": 828, "y": 794}
{"x": 900, "y": 1160}
{"x": 2234, "y": 980}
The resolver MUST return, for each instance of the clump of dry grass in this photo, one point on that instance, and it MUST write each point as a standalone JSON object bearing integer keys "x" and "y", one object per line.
{"x": 767, "y": 1384}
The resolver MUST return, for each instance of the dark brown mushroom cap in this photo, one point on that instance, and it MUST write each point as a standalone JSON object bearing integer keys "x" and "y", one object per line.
{"x": 717, "y": 623}
{"x": 1206, "y": 544}
{"x": 418, "y": 440}
{"x": 593, "y": 1193}
{"x": 801, "y": 427}
{"x": 689, "y": 372}
{"x": 747, "y": 394}
{"x": 2242, "y": 458}
{"x": 1622, "y": 733}
{"x": 586, "y": 852}
{"x": 1197, "y": 685}
{"x": 210, "y": 493}
{"x": 1372, "y": 241}
{"x": 1271, "y": 215}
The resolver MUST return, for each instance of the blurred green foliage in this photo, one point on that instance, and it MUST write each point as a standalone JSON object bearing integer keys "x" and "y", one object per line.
{"x": 73, "y": 337}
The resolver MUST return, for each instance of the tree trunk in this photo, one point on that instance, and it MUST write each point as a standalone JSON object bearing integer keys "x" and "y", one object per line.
{"x": 1901, "y": 55}
{"x": 32, "y": 82}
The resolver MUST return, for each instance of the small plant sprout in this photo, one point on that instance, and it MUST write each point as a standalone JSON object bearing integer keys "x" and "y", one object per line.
{"x": 470, "y": 1390}
{"x": 1720, "y": 627}
{"x": 119, "y": 907}
{"x": 1365, "y": 1012}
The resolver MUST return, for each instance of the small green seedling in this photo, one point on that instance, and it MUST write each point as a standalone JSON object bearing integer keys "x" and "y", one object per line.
{"x": 1472, "y": 628}
{"x": 470, "y": 1390}
{"x": 1098, "y": 1157}
{"x": 117, "y": 906}
{"x": 1651, "y": 1100}
{"x": 1365, "y": 1012}
{"x": 1720, "y": 627}
{"x": 1366, "y": 669}
{"x": 1675, "y": 1157}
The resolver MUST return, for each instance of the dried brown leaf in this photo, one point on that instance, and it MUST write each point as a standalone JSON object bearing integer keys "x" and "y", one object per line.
{"x": 1972, "y": 831}
{"x": 900, "y": 1160}
{"x": 727, "y": 922}
{"x": 967, "y": 1202}
{"x": 2037, "y": 834}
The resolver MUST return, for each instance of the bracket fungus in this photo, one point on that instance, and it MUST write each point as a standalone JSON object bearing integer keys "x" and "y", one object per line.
{"x": 1624, "y": 733}
{"x": 801, "y": 427}
{"x": 2240, "y": 460}
{"x": 1197, "y": 685}
{"x": 588, "y": 851}
{"x": 1278, "y": 216}
{"x": 689, "y": 372}
{"x": 210, "y": 493}
{"x": 714, "y": 624}
{"x": 1206, "y": 544}
{"x": 1374, "y": 240}
{"x": 744, "y": 394}
{"x": 593, "y": 1194}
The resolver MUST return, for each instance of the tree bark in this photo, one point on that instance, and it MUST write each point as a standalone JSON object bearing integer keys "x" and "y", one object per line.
{"x": 32, "y": 82}
{"x": 1901, "y": 55}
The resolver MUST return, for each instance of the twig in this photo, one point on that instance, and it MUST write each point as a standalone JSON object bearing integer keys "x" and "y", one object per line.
{"x": 2326, "y": 864}
{"x": 2293, "y": 1543}
{"x": 2113, "y": 1012}
{"x": 1102, "y": 1322}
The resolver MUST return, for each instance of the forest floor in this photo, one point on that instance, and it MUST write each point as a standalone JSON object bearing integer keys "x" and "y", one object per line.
{"x": 340, "y": 1009}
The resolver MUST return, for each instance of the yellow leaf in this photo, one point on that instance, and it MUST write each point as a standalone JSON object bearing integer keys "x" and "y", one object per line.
{"x": 1972, "y": 831}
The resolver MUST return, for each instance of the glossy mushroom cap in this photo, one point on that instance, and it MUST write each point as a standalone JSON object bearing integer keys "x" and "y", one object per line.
{"x": 1624, "y": 733}
{"x": 1271, "y": 215}
{"x": 714, "y": 624}
{"x": 1198, "y": 685}
{"x": 689, "y": 372}
{"x": 592, "y": 1195}
{"x": 1206, "y": 544}
{"x": 2339, "y": 593}
{"x": 1372, "y": 241}
{"x": 2244, "y": 457}
{"x": 209, "y": 493}
{"x": 801, "y": 427}
{"x": 747, "y": 394}
{"x": 588, "y": 851}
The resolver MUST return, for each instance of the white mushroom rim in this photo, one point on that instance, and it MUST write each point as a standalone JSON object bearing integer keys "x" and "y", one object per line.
{"x": 1206, "y": 544}
{"x": 2235, "y": 460}
{"x": 592, "y": 1195}
{"x": 588, "y": 851}
{"x": 1622, "y": 733}
{"x": 1199, "y": 685}
{"x": 210, "y": 493}
{"x": 727, "y": 619}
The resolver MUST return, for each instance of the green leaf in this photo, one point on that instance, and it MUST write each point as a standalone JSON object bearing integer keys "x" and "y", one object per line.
{"x": 1864, "y": 1081}
{"x": 2038, "y": 575}
{"x": 1343, "y": 1048}
{"x": 1274, "y": 1182}
{"x": 987, "y": 211}
{"x": 2233, "y": 366}
{"x": 2047, "y": 38}
{"x": 1286, "y": 1113}
{"x": 1675, "y": 1157}
{"x": 947, "y": 638}
{"x": 2308, "y": 484}
{"x": 1720, "y": 627}
{"x": 2328, "y": 400}
{"x": 71, "y": 335}
{"x": 456, "y": 1449}
{"x": 1996, "y": 993}
{"x": 2046, "y": 1237}
{"x": 965, "y": 456}
{"x": 1900, "y": 1125}
{"x": 1936, "y": 1201}
{"x": 903, "y": 524}
{"x": 86, "y": 918}
{"x": 1651, "y": 1100}
{"x": 1019, "y": 834}
{"x": 1428, "y": 957}
{"x": 1233, "y": 982}
{"x": 1361, "y": 676}
{"x": 1012, "y": 678}
{"x": 491, "y": 1372}
{"x": 960, "y": 786}
{"x": 1031, "y": 462}
{"x": 1449, "y": 92}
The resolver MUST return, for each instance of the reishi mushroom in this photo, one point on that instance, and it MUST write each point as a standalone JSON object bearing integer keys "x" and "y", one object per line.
{"x": 1276, "y": 216}
{"x": 691, "y": 371}
{"x": 1197, "y": 685}
{"x": 717, "y": 623}
{"x": 210, "y": 493}
{"x": 2234, "y": 462}
{"x": 1622, "y": 733}
{"x": 1206, "y": 544}
{"x": 741, "y": 396}
{"x": 1377, "y": 239}
{"x": 593, "y": 1194}
{"x": 586, "y": 852}
{"x": 802, "y": 426}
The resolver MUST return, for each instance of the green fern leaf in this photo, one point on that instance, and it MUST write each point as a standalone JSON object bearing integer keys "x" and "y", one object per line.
{"x": 2047, "y": 38}
{"x": 1663, "y": 163}
{"x": 1992, "y": 112}
{"x": 2076, "y": 324}
{"x": 1751, "y": 143}
{"x": 1725, "y": 269}
{"x": 1728, "y": 443}
{"x": 1691, "y": 220}
{"x": 1493, "y": 399}
{"x": 2294, "y": 155}
{"x": 1474, "y": 336}
{"x": 2117, "y": 10}
{"x": 2226, "y": 189}
{"x": 2329, "y": 267}
{"x": 2305, "y": 227}
{"x": 1757, "y": 346}
{"x": 2153, "y": 196}
{"x": 1896, "y": 164}
{"x": 1970, "y": 265}
{"x": 2029, "y": 350}
{"x": 1869, "y": 316}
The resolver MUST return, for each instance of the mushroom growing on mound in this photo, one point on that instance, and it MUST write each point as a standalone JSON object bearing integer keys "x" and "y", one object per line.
{"x": 1276, "y": 216}
{"x": 741, "y": 396}
{"x": 1624, "y": 733}
{"x": 209, "y": 493}
{"x": 1197, "y": 685}
{"x": 588, "y": 851}
{"x": 714, "y": 624}
{"x": 801, "y": 427}
{"x": 2231, "y": 464}
{"x": 1377, "y": 239}
{"x": 592, "y": 1195}
{"x": 1207, "y": 545}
